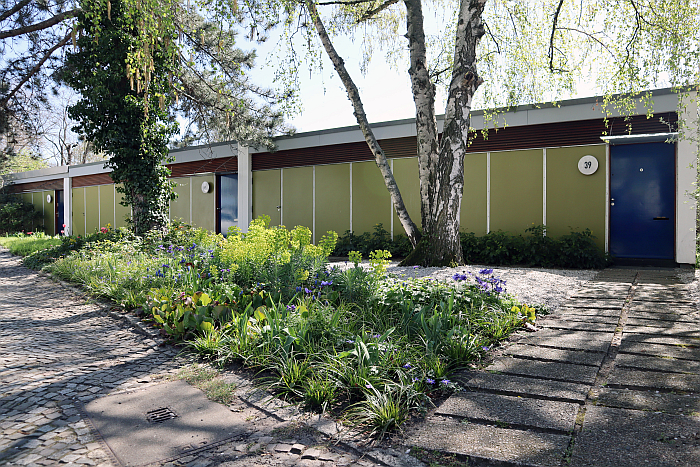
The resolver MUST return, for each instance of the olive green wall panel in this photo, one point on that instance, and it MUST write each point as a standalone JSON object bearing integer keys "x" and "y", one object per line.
{"x": 406, "y": 176}
{"x": 107, "y": 205}
{"x": 78, "y": 211}
{"x": 204, "y": 204}
{"x": 516, "y": 190}
{"x": 38, "y": 203}
{"x": 473, "y": 210}
{"x": 180, "y": 206}
{"x": 266, "y": 195}
{"x": 575, "y": 201}
{"x": 370, "y": 198}
{"x": 122, "y": 212}
{"x": 297, "y": 197}
{"x": 49, "y": 220}
{"x": 332, "y": 199}
{"x": 92, "y": 209}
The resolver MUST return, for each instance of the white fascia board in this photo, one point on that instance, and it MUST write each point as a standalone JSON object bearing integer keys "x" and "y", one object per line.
{"x": 203, "y": 153}
{"x": 38, "y": 175}
{"x": 88, "y": 169}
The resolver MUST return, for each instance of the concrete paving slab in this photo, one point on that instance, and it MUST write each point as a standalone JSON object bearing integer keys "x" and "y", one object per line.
{"x": 589, "y": 325}
{"x": 628, "y": 378}
{"x": 594, "y": 303}
{"x": 491, "y": 444}
{"x": 546, "y": 353}
{"x": 668, "y": 340}
{"x": 649, "y": 400}
{"x": 547, "y": 370}
{"x": 522, "y": 385}
{"x": 673, "y": 351}
{"x": 679, "y": 329}
{"x": 121, "y": 421}
{"x": 521, "y": 412}
{"x": 662, "y": 308}
{"x": 660, "y": 319}
{"x": 601, "y": 294}
{"x": 643, "y": 362}
{"x": 567, "y": 339}
{"x": 614, "y": 437}
{"x": 615, "y": 275}
{"x": 585, "y": 313}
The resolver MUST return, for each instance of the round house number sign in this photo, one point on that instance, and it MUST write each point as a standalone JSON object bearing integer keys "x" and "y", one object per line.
{"x": 588, "y": 165}
{"x": 205, "y": 187}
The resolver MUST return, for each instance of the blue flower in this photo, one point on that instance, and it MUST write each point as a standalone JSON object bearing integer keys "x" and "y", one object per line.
{"x": 408, "y": 366}
{"x": 429, "y": 380}
{"x": 486, "y": 271}
{"x": 485, "y": 348}
{"x": 291, "y": 307}
{"x": 299, "y": 289}
{"x": 445, "y": 382}
{"x": 307, "y": 290}
{"x": 415, "y": 380}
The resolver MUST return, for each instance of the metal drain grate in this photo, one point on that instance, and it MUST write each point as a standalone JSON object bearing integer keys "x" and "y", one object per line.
{"x": 160, "y": 415}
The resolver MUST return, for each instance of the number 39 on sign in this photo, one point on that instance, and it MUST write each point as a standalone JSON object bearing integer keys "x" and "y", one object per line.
{"x": 588, "y": 165}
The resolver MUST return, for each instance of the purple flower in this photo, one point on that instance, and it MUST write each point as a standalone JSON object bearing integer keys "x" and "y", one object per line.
{"x": 459, "y": 277}
{"x": 291, "y": 307}
{"x": 349, "y": 341}
{"x": 445, "y": 382}
{"x": 306, "y": 290}
{"x": 485, "y": 348}
{"x": 408, "y": 366}
{"x": 429, "y": 380}
{"x": 415, "y": 380}
{"x": 486, "y": 271}
{"x": 368, "y": 386}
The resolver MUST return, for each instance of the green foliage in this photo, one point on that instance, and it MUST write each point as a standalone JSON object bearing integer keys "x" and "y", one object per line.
{"x": 576, "y": 250}
{"x": 118, "y": 116}
{"x": 367, "y": 242}
{"x": 24, "y": 245}
{"x": 16, "y": 215}
{"x": 357, "y": 343}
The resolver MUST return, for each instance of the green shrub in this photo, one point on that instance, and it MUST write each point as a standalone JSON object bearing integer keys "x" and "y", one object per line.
{"x": 575, "y": 250}
{"x": 17, "y": 215}
{"x": 23, "y": 245}
{"x": 368, "y": 242}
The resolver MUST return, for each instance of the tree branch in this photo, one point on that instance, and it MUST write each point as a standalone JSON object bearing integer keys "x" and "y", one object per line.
{"x": 14, "y": 9}
{"x": 349, "y": 2}
{"x": 369, "y": 13}
{"x": 39, "y": 26}
{"x": 551, "y": 39}
{"x": 34, "y": 70}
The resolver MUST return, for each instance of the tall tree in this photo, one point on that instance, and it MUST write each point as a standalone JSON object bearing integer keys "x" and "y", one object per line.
{"x": 119, "y": 117}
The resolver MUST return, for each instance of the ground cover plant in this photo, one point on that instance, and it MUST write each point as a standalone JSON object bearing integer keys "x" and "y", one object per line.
{"x": 23, "y": 244}
{"x": 369, "y": 347}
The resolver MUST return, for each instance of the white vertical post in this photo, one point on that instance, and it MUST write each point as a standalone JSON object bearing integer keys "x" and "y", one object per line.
{"x": 391, "y": 206}
{"x": 85, "y": 211}
{"x": 488, "y": 192}
{"x": 313, "y": 205}
{"x": 245, "y": 188}
{"x": 99, "y": 205}
{"x": 544, "y": 189}
{"x": 607, "y": 197}
{"x": 67, "y": 206}
{"x": 190, "y": 183}
{"x": 281, "y": 196}
{"x": 350, "y": 197}
{"x": 686, "y": 173}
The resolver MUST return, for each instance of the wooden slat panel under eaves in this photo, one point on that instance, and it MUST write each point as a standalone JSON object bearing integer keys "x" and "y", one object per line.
{"x": 219, "y": 165}
{"x": 56, "y": 184}
{"x": 92, "y": 180}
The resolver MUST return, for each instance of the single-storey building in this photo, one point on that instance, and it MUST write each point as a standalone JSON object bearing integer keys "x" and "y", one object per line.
{"x": 628, "y": 180}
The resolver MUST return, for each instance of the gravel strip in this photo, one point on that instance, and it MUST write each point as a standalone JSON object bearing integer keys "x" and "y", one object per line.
{"x": 533, "y": 286}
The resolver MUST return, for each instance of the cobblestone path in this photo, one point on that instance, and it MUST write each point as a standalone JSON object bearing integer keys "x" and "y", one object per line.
{"x": 56, "y": 351}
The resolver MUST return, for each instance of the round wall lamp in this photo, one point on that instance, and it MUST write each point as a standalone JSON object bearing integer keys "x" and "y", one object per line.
{"x": 205, "y": 187}
{"x": 48, "y": 198}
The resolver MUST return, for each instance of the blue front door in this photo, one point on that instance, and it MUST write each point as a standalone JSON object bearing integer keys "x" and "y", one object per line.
{"x": 642, "y": 200}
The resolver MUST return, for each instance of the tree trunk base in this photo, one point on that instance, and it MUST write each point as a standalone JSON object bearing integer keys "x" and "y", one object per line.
{"x": 429, "y": 254}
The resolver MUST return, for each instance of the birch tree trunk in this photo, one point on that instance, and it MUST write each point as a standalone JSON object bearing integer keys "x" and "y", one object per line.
{"x": 441, "y": 163}
{"x": 409, "y": 226}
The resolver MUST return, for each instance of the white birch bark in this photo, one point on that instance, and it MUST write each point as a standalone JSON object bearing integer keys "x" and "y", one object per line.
{"x": 354, "y": 95}
{"x": 441, "y": 163}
